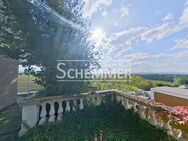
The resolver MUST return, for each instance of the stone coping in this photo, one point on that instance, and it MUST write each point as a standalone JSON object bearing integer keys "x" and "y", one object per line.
{"x": 129, "y": 95}
{"x": 63, "y": 97}
{"x": 146, "y": 102}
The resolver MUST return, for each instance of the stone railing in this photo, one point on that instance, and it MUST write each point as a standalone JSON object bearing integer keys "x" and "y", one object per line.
{"x": 154, "y": 113}
{"x": 52, "y": 109}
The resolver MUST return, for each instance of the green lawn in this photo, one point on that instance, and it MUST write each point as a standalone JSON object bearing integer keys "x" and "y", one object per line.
{"x": 23, "y": 84}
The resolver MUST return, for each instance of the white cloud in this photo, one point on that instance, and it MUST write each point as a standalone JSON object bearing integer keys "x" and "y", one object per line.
{"x": 184, "y": 18}
{"x": 124, "y": 11}
{"x": 166, "y": 29}
{"x": 91, "y": 6}
{"x": 138, "y": 57}
{"x": 104, "y": 13}
{"x": 158, "y": 32}
{"x": 181, "y": 44}
{"x": 117, "y": 50}
{"x": 168, "y": 17}
{"x": 119, "y": 43}
{"x": 146, "y": 62}
{"x": 154, "y": 33}
{"x": 128, "y": 33}
{"x": 164, "y": 62}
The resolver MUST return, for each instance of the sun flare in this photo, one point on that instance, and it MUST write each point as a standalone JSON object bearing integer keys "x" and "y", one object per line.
{"x": 98, "y": 35}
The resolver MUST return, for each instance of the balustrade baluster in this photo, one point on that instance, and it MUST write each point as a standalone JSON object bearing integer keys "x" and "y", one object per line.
{"x": 30, "y": 117}
{"x": 100, "y": 137}
{"x": 152, "y": 118}
{"x": 159, "y": 122}
{"x": 81, "y": 105}
{"x": 167, "y": 126}
{"x": 123, "y": 103}
{"x": 177, "y": 133}
{"x": 95, "y": 138}
{"x": 127, "y": 104}
{"x": 118, "y": 98}
{"x": 94, "y": 100}
{"x": 67, "y": 109}
{"x": 135, "y": 107}
{"x": 74, "y": 105}
{"x": 43, "y": 114}
{"x": 141, "y": 112}
{"x": 60, "y": 111}
{"x": 98, "y": 100}
{"x": 52, "y": 112}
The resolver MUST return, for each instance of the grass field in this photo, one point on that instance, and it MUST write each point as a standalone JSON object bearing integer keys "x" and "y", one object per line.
{"x": 23, "y": 84}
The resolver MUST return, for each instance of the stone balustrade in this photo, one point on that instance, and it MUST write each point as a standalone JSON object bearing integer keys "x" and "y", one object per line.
{"x": 51, "y": 109}
{"x": 152, "y": 112}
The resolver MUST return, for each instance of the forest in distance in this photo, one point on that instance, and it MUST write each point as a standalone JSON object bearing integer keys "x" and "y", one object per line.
{"x": 161, "y": 77}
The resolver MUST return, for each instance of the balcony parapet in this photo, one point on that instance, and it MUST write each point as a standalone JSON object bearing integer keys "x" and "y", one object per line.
{"x": 52, "y": 109}
{"x": 156, "y": 114}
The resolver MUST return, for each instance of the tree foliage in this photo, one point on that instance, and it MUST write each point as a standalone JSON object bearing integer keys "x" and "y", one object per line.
{"x": 43, "y": 32}
{"x": 161, "y": 77}
{"x": 133, "y": 84}
{"x": 180, "y": 81}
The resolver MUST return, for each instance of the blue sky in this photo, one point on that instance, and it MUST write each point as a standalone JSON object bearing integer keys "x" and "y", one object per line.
{"x": 148, "y": 36}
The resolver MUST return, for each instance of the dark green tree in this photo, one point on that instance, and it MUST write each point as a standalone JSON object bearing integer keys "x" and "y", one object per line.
{"x": 44, "y": 31}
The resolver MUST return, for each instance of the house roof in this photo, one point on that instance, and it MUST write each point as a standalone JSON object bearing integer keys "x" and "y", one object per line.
{"x": 173, "y": 91}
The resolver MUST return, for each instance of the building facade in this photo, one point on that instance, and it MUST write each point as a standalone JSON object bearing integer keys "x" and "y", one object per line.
{"x": 170, "y": 96}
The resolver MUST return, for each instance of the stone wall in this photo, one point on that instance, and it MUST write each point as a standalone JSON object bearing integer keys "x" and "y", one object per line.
{"x": 8, "y": 82}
